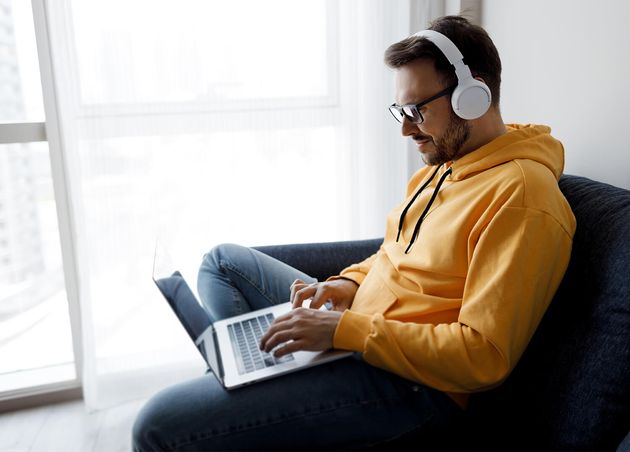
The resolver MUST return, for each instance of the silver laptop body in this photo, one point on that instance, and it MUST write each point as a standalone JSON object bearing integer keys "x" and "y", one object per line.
{"x": 230, "y": 346}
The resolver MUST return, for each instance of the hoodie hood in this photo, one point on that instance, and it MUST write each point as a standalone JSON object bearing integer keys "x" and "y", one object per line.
{"x": 520, "y": 142}
{"x": 532, "y": 142}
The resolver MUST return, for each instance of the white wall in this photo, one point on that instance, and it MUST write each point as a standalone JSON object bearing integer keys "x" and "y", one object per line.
{"x": 566, "y": 63}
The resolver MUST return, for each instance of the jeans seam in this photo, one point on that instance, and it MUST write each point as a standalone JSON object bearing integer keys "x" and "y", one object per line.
{"x": 235, "y": 269}
{"x": 281, "y": 420}
{"x": 238, "y": 302}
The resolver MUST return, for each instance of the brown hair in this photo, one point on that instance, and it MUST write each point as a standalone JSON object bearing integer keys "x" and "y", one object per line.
{"x": 473, "y": 42}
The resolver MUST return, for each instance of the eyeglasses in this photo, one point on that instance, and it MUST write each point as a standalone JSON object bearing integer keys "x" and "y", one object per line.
{"x": 412, "y": 111}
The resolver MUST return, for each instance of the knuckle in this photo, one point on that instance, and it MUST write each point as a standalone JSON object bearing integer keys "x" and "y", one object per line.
{"x": 297, "y": 323}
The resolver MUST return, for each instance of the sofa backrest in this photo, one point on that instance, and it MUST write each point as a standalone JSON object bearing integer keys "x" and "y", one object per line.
{"x": 323, "y": 259}
{"x": 571, "y": 389}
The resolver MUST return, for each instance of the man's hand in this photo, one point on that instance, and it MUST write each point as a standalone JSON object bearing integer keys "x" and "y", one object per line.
{"x": 338, "y": 291}
{"x": 301, "y": 329}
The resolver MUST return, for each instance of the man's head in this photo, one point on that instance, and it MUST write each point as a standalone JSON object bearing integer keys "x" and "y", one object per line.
{"x": 422, "y": 72}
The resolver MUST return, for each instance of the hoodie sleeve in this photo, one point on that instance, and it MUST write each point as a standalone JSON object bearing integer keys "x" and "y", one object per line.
{"x": 514, "y": 271}
{"x": 357, "y": 272}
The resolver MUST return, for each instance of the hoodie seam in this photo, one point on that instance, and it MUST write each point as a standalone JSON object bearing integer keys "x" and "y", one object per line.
{"x": 543, "y": 212}
{"x": 534, "y": 209}
{"x": 524, "y": 181}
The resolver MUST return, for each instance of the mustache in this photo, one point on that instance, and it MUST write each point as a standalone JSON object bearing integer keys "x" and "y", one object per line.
{"x": 420, "y": 136}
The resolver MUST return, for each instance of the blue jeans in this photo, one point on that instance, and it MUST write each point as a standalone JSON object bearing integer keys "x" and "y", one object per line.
{"x": 339, "y": 405}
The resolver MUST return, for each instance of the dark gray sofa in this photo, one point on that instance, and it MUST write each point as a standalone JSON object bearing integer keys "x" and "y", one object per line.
{"x": 571, "y": 389}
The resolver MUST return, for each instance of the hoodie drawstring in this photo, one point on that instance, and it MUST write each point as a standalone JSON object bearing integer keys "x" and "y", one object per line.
{"x": 416, "y": 230}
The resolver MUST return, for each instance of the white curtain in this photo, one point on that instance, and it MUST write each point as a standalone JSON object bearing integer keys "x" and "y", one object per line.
{"x": 201, "y": 122}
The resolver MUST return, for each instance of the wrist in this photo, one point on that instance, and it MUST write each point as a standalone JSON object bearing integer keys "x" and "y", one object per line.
{"x": 343, "y": 278}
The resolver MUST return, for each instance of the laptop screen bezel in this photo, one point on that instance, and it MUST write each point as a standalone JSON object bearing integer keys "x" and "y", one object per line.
{"x": 206, "y": 342}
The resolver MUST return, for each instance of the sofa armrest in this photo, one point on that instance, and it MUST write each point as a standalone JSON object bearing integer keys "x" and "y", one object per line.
{"x": 322, "y": 260}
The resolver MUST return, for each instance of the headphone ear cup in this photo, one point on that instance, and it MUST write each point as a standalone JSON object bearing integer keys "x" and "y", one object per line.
{"x": 471, "y": 99}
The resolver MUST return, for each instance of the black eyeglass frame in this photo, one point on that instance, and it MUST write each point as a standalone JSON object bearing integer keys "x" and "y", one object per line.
{"x": 398, "y": 111}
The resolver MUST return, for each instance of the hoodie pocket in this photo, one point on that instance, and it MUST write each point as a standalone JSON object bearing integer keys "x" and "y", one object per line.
{"x": 373, "y": 296}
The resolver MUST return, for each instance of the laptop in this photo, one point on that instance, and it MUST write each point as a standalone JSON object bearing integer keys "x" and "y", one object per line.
{"x": 230, "y": 347}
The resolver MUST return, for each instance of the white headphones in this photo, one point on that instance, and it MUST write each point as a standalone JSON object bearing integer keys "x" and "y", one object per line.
{"x": 471, "y": 98}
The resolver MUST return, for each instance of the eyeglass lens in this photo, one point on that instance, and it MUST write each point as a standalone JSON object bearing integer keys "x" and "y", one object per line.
{"x": 410, "y": 111}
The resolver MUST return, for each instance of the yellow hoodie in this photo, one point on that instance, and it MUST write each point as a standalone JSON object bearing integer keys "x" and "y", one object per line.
{"x": 457, "y": 311}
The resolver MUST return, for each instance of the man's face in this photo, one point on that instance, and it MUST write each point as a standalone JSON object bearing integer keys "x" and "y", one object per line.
{"x": 442, "y": 135}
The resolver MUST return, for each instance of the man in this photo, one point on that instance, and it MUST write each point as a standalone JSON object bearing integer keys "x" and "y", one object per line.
{"x": 468, "y": 266}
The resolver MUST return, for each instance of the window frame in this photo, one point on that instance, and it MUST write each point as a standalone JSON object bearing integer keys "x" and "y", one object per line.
{"x": 48, "y": 131}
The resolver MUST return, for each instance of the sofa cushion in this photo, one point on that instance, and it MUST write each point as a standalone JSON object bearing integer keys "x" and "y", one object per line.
{"x": 571, "y": 389}
{"x": 321, "y": 260}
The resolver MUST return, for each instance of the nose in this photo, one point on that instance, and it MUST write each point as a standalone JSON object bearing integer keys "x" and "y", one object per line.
{"x": 409, "y": 128}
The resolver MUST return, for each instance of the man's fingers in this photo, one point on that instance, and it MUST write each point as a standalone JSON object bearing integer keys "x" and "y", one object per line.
{"x": 301, "y": 329}
{"x": 283, "y": 329}
{"x": 290, "y": 347}
{"x": 321, "y": 296}
{"x": 280, "y": 324}
{"x": 318, "y": 293}
{"x": 304, "y": 293}
{"x": 273, "y": 329}
{"x": 276, "y": 339}
{"x": 297, "y": 285}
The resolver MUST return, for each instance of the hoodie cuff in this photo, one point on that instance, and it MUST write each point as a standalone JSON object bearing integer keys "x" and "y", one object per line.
{"x": 357, "y": 277}
{"x": 352, "y": 331}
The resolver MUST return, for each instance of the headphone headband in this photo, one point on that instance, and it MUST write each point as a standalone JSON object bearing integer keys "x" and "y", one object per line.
{"x": 450, "y": 51}
{"x": 472, "y": 98}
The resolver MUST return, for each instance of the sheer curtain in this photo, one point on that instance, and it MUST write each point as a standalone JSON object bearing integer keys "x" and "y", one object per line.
{"x": 201, "y": 122}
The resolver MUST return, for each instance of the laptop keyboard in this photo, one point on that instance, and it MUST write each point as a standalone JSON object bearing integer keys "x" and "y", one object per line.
{"x": 245, "y": 337}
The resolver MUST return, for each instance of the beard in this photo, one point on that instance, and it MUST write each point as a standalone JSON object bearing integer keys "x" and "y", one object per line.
{"x": 448, "y": 146}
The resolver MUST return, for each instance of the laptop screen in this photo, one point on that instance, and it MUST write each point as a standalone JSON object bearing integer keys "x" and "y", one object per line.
{"x": 187, "y": 309}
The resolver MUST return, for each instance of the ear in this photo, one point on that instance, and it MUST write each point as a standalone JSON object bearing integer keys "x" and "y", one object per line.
{"x": 471, "y": 99}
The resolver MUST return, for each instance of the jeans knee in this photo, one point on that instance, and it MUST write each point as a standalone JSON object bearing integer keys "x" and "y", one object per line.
{"x": 212, "y": 259}
{"x": 138, "y": 439}
{"x": 146, "y": 429}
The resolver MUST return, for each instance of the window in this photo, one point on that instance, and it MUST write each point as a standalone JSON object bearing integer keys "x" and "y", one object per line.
{"x": 187, "y": 127}
{"x": 36, "y": 346}
{"x": 196, "y": 121}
